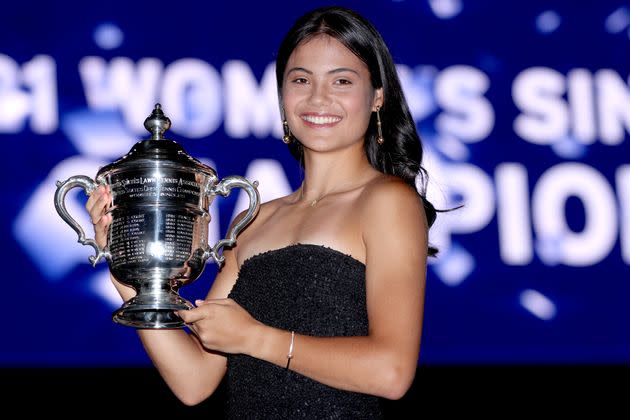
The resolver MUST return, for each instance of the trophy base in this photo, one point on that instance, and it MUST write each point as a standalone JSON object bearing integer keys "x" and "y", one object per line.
{"x": 140, "y": 312}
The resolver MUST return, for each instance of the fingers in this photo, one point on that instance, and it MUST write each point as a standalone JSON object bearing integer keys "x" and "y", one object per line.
{"x": 191, "y": 316}
{"x": 97, "y": 206}
{"x": 101, "y": 229}
{"x": 98, "y": 203}
{"x": 205, "y": 309}
{"x": 226, "y": 301}
{"x": 94, "y": 196}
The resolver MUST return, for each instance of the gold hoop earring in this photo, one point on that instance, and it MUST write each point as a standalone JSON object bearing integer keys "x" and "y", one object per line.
{"x": 286, "y": 139}
{"x": 379, "y": 138}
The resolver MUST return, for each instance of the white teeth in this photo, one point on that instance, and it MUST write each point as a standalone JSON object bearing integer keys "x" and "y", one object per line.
{"x": 320, "y": 120}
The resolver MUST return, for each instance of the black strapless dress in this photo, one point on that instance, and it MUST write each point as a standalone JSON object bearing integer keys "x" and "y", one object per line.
{"x": 312, "y": 290}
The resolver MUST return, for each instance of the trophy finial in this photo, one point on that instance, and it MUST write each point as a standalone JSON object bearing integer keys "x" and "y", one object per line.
{"x": 157, "y": 123}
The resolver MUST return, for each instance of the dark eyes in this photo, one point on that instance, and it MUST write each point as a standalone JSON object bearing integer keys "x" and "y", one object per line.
{"x": 303, "y": 80}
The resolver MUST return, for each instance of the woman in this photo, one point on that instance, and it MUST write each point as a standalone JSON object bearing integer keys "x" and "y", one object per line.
{"x": 318, "y": 309}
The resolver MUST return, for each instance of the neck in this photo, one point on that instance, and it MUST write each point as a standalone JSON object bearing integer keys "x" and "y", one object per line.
{"x": 325, "y": 173}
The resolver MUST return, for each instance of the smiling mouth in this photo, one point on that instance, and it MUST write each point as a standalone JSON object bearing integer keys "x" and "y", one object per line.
{"x": 321, "y": 119}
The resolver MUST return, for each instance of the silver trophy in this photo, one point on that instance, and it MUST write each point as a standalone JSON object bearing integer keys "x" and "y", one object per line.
{"x": 158, "y": 238}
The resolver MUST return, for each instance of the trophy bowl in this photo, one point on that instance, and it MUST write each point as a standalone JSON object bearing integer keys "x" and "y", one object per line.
{"x": 157, "y": 241}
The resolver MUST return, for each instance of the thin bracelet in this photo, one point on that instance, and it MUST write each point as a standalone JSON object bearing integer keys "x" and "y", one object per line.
{"x": 290, "y": 355}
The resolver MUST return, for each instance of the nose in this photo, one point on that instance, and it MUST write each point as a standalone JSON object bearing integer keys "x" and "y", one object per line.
{"x": 319, "y": 94}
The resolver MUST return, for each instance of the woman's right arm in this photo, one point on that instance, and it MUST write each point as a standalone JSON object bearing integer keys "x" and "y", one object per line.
{"x": 190, "y": 371}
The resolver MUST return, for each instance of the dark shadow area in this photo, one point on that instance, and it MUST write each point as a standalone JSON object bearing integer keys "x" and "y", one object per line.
{"x": 437, "y": 392}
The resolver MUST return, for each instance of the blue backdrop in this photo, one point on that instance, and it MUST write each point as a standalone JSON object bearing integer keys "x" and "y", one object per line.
{"x": 523, "y": 106}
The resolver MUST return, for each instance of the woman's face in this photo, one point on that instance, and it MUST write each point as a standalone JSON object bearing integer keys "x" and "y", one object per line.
{"x": 327, "y": 95}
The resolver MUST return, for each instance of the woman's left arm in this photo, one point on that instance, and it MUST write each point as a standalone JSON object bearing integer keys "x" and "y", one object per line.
{"x": 383, "y": 363}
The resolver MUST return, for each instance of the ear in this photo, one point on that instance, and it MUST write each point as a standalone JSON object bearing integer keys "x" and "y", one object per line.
{"x": 378, "y": 99}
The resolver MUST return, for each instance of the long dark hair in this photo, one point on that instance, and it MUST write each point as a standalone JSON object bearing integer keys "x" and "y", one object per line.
{"x": 401, "y": 152}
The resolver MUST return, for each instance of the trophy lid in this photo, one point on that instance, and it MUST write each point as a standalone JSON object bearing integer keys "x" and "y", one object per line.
{"x": 147, "y": 153}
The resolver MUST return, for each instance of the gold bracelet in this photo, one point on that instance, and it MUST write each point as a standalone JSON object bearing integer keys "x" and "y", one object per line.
{"x": 290, "y": 355}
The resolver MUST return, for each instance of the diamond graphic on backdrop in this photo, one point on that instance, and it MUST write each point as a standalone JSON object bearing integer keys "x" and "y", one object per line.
{"x": 538, "y": 304}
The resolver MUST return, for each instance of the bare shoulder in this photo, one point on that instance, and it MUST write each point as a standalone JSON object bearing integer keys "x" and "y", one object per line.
{"x": 392, "y": 217}
{"x": 389, "y": 196}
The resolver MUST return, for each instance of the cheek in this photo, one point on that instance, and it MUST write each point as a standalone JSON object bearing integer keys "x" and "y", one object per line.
{"x": 289, "y": 100}
{"x": 360, "y": 108}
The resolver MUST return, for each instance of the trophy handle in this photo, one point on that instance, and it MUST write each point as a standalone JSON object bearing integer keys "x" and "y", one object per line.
{"x": 88, "y": 186}
{"x": 223, "y": 188}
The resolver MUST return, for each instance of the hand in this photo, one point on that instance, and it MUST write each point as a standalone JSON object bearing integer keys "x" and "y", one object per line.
{"x": 97, "y": 206}
{"x": 222, "y": 325}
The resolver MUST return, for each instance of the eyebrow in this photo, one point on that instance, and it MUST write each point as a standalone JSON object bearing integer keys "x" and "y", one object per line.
{"x": 333, "y": 71}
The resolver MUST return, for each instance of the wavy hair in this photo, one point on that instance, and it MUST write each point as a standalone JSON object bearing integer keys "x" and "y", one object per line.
{"x": 401, "y": 153}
